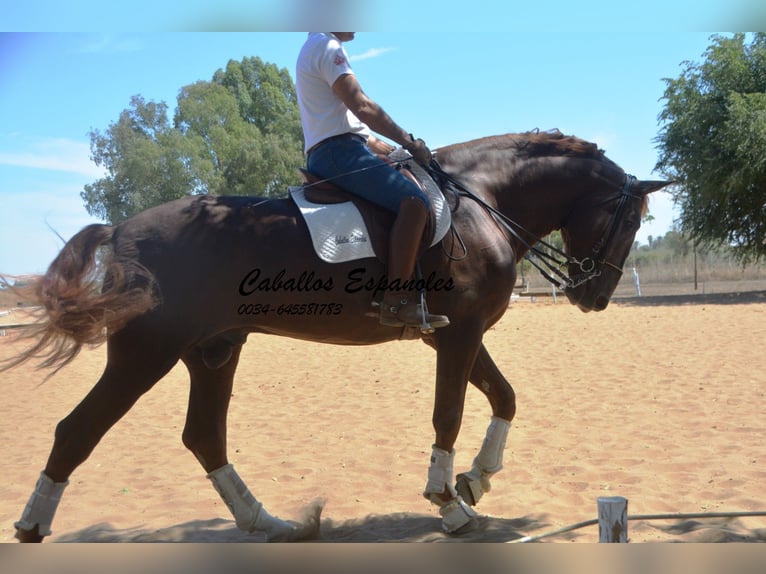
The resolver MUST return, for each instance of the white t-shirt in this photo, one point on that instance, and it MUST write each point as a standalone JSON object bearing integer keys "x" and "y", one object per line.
{"x": 321, "y": 61}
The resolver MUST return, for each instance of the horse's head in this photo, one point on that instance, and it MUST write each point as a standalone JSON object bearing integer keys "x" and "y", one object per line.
{"x": 598, "y": 235}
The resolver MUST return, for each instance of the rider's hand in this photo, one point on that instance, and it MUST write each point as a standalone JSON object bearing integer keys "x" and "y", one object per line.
{"x": 419, "y": 151}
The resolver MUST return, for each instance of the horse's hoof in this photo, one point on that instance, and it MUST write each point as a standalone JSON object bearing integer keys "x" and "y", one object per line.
{"x": 292, "y": 532}
{"x": 458, "y": 517}
{"x": 29, "y": 535}
{"x": 467, "y": 528}
{"x": 302, "y": 531}
{"x": 470, "y": 489}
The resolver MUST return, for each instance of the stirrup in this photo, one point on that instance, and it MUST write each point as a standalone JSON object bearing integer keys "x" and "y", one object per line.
{"x": 430, "y": 322}
{"x": 423, "y": 320}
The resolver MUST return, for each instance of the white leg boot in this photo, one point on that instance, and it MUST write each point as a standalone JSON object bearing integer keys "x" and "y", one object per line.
{"x": 455, "y": 514}
{"x": 42, "y": 505}
{"x": 249, "y": 514}
{"x": 473, "y": 484}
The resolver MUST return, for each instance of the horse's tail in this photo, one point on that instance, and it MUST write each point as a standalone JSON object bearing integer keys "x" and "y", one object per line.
{"x": 87, "y": 294}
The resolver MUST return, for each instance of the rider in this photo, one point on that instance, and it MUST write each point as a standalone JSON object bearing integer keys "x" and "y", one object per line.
{"x": 335, "y": 114}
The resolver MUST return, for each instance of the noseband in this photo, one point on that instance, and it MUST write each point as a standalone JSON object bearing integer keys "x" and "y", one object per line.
{"x": 591, "y": 267}
{"x": 552, "y": 261}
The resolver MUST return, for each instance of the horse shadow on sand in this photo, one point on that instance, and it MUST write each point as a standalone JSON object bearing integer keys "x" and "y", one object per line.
{"x": 732, "y": 298}
{"x": 712, "y": 530}
{"x": 397, "y": 527}
{"x": 406, "y": 527}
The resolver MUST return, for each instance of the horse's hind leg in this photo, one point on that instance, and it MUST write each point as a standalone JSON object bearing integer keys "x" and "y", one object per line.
{"x": 212, "y": 368}
{"x": 129, "y": 373}
{"x": 489, "y": 380}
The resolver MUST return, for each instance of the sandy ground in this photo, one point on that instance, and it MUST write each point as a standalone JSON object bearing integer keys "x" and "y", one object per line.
{"x": 660, "y": 400}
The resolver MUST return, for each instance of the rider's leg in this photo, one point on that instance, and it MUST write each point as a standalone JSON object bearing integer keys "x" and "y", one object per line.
{"x": 400, "y": 306}
{"x": 351, "y": 165}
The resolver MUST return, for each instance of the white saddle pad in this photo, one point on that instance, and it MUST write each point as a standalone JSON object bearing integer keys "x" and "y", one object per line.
{"x": 338, "y": 231}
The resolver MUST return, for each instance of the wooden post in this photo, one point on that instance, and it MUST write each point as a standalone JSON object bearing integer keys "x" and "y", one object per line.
{"x": 612, "y": 519}
{"x": 694, "y": 247}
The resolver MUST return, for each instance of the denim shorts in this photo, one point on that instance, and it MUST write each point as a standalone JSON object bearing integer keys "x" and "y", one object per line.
{"x": 348, "y": 162}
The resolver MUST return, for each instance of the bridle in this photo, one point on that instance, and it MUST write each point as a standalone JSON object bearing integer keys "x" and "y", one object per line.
{"x": 591, "y": 267}
{"x": 551, "y": 260}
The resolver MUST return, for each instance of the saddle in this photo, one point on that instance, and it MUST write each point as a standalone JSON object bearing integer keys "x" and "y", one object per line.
{"x": 377, "y": 219}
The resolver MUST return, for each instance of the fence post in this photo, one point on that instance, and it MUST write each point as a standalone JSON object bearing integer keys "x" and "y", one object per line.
{"x": 612, "y": 519}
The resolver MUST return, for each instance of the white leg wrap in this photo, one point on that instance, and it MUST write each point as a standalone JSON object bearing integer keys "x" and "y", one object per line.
{"x": 474, "y": 483}
{"x": 42, "y": 505}
{"x": 440, "y": 474}
{"x": 490, "y": 457}
{"x": 249, "y": 514}
{"x": 455, "y": 513}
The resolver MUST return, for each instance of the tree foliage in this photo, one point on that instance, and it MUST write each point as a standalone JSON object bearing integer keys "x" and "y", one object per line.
{"x": 713, "y": 144}
{"x": 239, "y": 134}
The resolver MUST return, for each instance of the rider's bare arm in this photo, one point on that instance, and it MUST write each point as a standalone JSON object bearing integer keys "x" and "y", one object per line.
{"x": 347, "y": 88}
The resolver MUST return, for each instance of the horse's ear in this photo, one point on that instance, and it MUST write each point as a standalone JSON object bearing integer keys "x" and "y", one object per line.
{"x": 645, "y": 186}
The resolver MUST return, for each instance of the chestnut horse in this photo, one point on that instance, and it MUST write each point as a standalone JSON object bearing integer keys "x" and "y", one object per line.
{"x": 191, "y": 278}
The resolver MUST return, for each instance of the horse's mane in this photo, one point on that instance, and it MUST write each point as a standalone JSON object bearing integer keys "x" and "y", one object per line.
{"x": 538, "y": 143}
{"x": 556, "y": 143}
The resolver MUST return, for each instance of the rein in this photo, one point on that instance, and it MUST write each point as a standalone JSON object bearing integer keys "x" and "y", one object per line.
{"x": 549, "y": 263}
{"x": 395, "y": 163}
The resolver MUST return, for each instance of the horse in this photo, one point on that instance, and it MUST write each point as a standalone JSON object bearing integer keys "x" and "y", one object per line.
{"x": 190, "y": 279}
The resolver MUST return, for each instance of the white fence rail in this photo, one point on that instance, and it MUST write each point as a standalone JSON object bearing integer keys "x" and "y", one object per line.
{"x": 613, "y": 520}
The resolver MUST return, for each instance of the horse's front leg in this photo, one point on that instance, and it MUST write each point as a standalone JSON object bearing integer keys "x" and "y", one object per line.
{"x": 205, "y": 435}
{"x": 489, "y": 380}
{"x": 455, "y": 354}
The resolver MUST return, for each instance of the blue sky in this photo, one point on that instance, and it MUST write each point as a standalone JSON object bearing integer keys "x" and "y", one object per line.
{"x": 578, "y": 72}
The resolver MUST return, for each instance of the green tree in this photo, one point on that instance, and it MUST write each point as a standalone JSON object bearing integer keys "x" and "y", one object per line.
{"x": 267, "y": 103}
{"x": 713, "y": 144}
{"x": 266, "y": 95}
{"x": 237, "y": 135}
{"x": 677, "y": 243}
{"x": 146, "y": 163}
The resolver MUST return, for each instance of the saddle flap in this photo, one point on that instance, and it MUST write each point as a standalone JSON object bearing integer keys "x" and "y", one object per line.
{"x": 344, "y": 227}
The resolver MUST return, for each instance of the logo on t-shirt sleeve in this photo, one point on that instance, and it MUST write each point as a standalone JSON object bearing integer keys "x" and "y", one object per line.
{"x": 340, "y": 60}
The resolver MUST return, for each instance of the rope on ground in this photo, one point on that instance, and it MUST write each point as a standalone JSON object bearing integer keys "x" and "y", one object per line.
{"x": 594, "y": 521}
